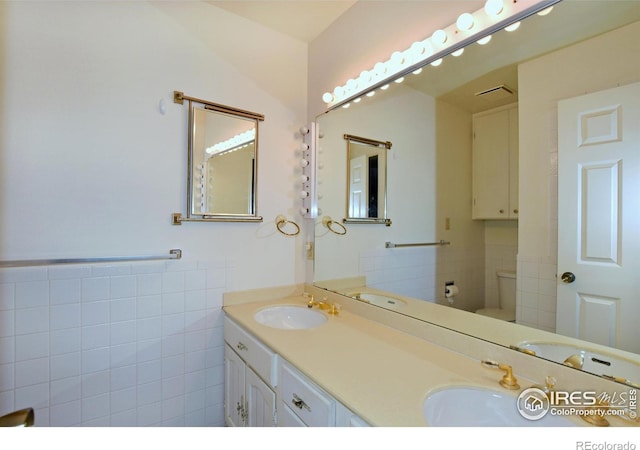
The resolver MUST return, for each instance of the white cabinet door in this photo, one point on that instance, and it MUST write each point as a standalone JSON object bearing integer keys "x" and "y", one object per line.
{"x": 248, "y": 401}
{"x": 261, "y": 402}
{"x": 495, "y": 164}
{"x": 234, "y": 389}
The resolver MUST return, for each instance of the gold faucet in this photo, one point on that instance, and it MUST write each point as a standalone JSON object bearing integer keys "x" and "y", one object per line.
{"x": 332, "y": 309}
{"x": 508, "y": 381}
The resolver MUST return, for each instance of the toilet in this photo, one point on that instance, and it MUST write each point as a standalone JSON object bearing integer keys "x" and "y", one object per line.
{"x": 506, "y": 298}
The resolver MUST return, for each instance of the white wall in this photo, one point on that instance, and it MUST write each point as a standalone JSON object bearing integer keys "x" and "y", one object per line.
{"x": 603, "y": 62}
{"x": 89, "y": 167}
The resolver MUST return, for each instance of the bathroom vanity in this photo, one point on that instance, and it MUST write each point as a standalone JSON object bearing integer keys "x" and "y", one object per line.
{"x": 351, "y": 370}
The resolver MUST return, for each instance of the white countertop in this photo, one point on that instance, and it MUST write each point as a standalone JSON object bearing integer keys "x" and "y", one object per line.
{"x": 378, "y": 372}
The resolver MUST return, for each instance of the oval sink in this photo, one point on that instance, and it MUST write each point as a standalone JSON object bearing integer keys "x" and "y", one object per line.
{"x": 468, "y": 406}
{"x": 379, "y": 300}
{"x": 290, "y": 317}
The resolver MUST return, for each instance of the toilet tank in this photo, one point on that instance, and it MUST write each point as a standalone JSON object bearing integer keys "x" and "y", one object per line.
{"x": 507, "y": 289}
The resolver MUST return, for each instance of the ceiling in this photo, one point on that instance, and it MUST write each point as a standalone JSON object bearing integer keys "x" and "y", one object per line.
{"x": 301, "y": 19}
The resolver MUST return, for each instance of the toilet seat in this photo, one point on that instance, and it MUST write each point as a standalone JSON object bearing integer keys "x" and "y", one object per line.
{"x": 497, "y": 313}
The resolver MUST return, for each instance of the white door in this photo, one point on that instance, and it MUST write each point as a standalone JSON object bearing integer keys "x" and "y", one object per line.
{"x": 358, "y": 187}
{"x": 599, "y": 217}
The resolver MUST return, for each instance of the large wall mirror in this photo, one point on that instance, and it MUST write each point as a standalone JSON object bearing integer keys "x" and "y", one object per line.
{"x": 222, "y": 163}
{"x": 576, "y": 49}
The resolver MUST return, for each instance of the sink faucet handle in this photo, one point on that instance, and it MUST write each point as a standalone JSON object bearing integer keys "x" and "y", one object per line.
{"x": 508, "y": 381}
{"x": 550, "y": 382}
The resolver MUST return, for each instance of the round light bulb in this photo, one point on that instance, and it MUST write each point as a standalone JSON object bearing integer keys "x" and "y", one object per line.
{"x": 417, "y": 48}
{"x": 439, "y": 37}
{"x": 484, "y": 40}
{"x": 399, "y": 80}
{"x": 458, "y": 52}
{"x": 371, "y": 93}
{"x": 304, "y": 130}
{"x": 327, "y": 97}
{"x": 437, "y": 62}
{"x": 304, "y": 163}
{"x": 465, "y": 22}
{"x": 304, "y": 146}
{"x": 544, "y": 12}
{"x": 417, "y": 72}
{"x": 493, "y": 8}
{"x": 385, "y": 87}
{"x": 380, "y": 69}
{"x": 513, "y": 27}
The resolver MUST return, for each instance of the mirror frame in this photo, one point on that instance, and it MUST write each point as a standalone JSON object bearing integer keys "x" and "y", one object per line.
{"x": 179, "y": 97}
{"x": 380, "y": 145}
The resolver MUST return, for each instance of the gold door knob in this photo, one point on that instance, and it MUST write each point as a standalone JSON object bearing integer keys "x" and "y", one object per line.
{"x": 21, "y": 418}
{"x": 568, "y": 277}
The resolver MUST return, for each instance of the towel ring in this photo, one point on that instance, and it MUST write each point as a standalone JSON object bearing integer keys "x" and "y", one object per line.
{"x": 281, "y": 221}
{"x": 328, "y": 222}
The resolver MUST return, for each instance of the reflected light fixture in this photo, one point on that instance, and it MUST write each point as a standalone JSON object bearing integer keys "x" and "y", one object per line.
{"x": 236, "y": 142}
{"x": 479, "y": 25}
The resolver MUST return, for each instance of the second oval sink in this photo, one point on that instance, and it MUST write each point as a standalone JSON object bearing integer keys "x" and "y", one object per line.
{"x": 287, "y": 317}
{"x": 469, "y": 406}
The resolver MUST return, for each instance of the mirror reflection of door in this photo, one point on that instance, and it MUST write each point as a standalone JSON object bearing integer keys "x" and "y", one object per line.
{"x": 358, "y": 187}
{"x": 598, "y": 206}
{"x": 367, "y": 178}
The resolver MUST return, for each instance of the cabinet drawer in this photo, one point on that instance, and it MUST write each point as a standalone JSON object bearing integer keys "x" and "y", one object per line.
{"x": 258, "y": 356}
{"x": 312, "y": 405}
{"x": 287, "y": 418}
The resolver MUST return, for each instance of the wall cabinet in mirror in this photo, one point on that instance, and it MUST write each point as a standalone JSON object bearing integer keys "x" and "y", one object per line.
{"x": 366, "y": 180}
{"x": 495, "y": 164}
{"x": 222, "y": 163}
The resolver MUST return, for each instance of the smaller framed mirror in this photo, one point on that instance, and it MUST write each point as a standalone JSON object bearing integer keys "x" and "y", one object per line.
{"x": 222, "y": 163}
{"x": 366, "y": 180}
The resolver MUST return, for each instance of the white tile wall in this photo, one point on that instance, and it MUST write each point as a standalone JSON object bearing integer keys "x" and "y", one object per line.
{"x": 536, "y": 292}
{"x": 114, "y": 344}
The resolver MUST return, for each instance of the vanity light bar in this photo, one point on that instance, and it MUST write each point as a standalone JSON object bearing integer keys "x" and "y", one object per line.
{"x": 469, "y": 28}
{"x": 309, "y": 193}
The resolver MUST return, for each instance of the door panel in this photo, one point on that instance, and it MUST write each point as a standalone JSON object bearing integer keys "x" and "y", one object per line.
{"x": 599, "y": 217}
